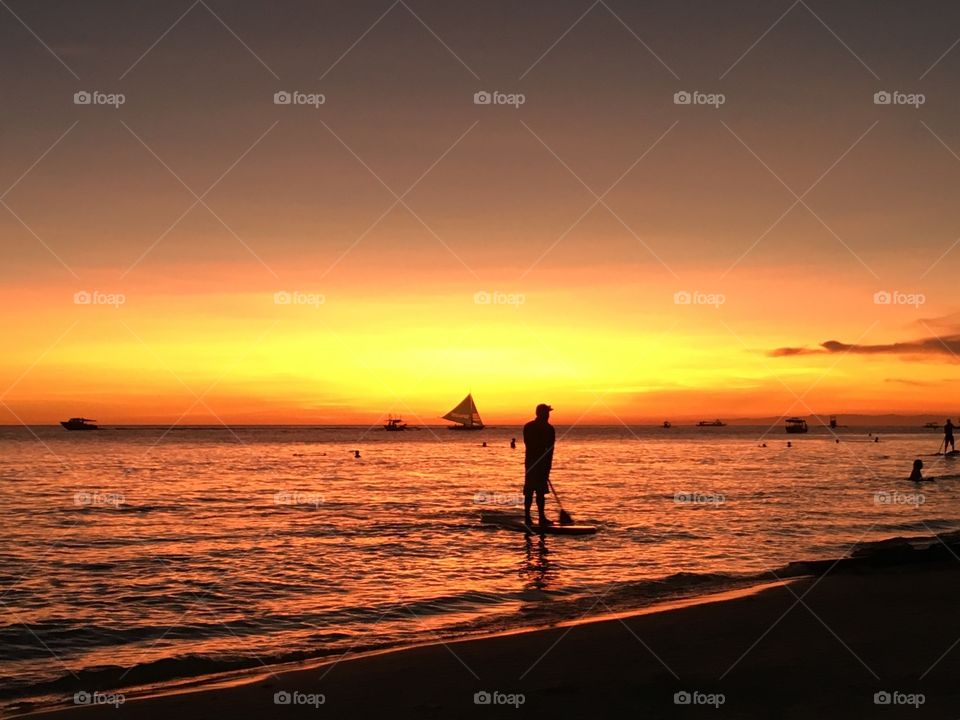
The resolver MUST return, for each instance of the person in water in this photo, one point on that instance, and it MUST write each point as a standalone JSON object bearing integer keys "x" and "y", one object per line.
{"x": 538, "y": 440}
{"x": 513, "y": 443}
{"x": 917, "y": 475}
{"x": 948, "y": 436}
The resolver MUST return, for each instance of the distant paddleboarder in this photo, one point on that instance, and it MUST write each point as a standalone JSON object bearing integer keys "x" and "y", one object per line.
{"x": 948, "y": 436}
{"x": 538, "y": 440}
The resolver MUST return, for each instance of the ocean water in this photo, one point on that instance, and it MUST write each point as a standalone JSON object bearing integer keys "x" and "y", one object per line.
{"x": 133, "y": 556}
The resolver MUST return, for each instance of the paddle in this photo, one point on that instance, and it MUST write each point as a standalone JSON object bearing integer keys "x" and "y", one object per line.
{"x": 565, "y": 517}
{"x": 943, "y": 444}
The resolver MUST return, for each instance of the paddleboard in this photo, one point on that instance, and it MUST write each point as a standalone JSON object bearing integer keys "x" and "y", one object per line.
{"x": 515, "y": 522}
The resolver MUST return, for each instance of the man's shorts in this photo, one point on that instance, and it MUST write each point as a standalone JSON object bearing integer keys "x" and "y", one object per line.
{"x": 535, "y": 483}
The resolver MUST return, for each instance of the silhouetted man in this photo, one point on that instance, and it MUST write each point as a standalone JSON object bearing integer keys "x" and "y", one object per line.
{"x": 948, "y": 436}
{"x": 538, "y": 440}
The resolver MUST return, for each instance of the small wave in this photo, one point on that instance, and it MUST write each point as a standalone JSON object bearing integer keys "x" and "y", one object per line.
{"x": 928, "y": 526}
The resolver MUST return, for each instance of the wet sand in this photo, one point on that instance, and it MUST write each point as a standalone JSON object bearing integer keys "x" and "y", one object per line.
{"x": 859, "y": 630}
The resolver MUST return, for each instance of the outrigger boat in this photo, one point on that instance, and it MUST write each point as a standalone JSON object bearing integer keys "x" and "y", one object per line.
{"x": 796, "y": 425}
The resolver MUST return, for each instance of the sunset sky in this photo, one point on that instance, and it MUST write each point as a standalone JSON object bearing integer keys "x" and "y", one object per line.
{"x": 389, "y": 215}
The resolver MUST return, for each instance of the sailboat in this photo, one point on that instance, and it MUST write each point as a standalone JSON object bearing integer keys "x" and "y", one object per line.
{"x": 466, "y": 415}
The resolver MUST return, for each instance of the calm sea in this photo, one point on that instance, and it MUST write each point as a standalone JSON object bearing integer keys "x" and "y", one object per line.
{"x": 132, "y": 556}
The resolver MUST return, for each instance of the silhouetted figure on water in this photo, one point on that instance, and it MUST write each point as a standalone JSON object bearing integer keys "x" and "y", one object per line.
{"x": 948, "y": 436}
{"x": 538, "y": 440}
{"x": 917, "y": 474}
{"x": 513, "y": 443}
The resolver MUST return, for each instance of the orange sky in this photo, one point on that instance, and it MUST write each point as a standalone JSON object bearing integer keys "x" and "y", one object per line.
{"x": 501, "y": 201}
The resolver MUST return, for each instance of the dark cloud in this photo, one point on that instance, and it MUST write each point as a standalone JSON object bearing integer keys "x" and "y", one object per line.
{"x": 947, "y": 347}
{"x": 788, "y": 351}
{"x": 939, "y": 382}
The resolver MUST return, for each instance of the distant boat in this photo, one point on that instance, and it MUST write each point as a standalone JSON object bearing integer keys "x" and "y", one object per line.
{"x": 465, "y": 415}
{"x": 79, "y": 424}
{"x": 796, "y": 425}
{"x": 395, "y": 424}
{"x": 711, "y": 423}
{"x": 667, "y": 424}
{"x": 833, "y": 422}
{"x": 932, "y": 425}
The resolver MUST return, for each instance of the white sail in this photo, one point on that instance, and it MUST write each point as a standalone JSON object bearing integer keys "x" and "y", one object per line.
{"x": 465, "y": 413}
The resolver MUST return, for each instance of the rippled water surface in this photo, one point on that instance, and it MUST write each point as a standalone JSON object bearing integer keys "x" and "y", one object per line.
{"x": 197, "y": 550}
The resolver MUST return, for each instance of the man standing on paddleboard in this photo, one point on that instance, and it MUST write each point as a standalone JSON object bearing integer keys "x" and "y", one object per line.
{"x": 538, "y": 440}
{"x": 948, "y": 436}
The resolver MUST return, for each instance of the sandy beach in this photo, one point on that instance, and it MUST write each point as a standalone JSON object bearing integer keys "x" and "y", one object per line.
{"x": 815, "y": 647}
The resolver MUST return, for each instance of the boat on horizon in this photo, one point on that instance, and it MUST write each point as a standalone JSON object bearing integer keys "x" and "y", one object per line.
{"x": 796, "y": 425}
{"x": 465, "y": 415}
{"x": 667, "y": 424}
{"x": 79, "y": 423}
{"x": 395, "y": 424}
{"x": 932, "y": 425}
{"x": 712, "y": 423}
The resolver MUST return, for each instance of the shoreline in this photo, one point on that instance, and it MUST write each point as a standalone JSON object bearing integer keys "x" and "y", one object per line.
{"x": 237, "y": 678}
{"x": 917, "y": 554}
{"x": 855, "y": 637}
